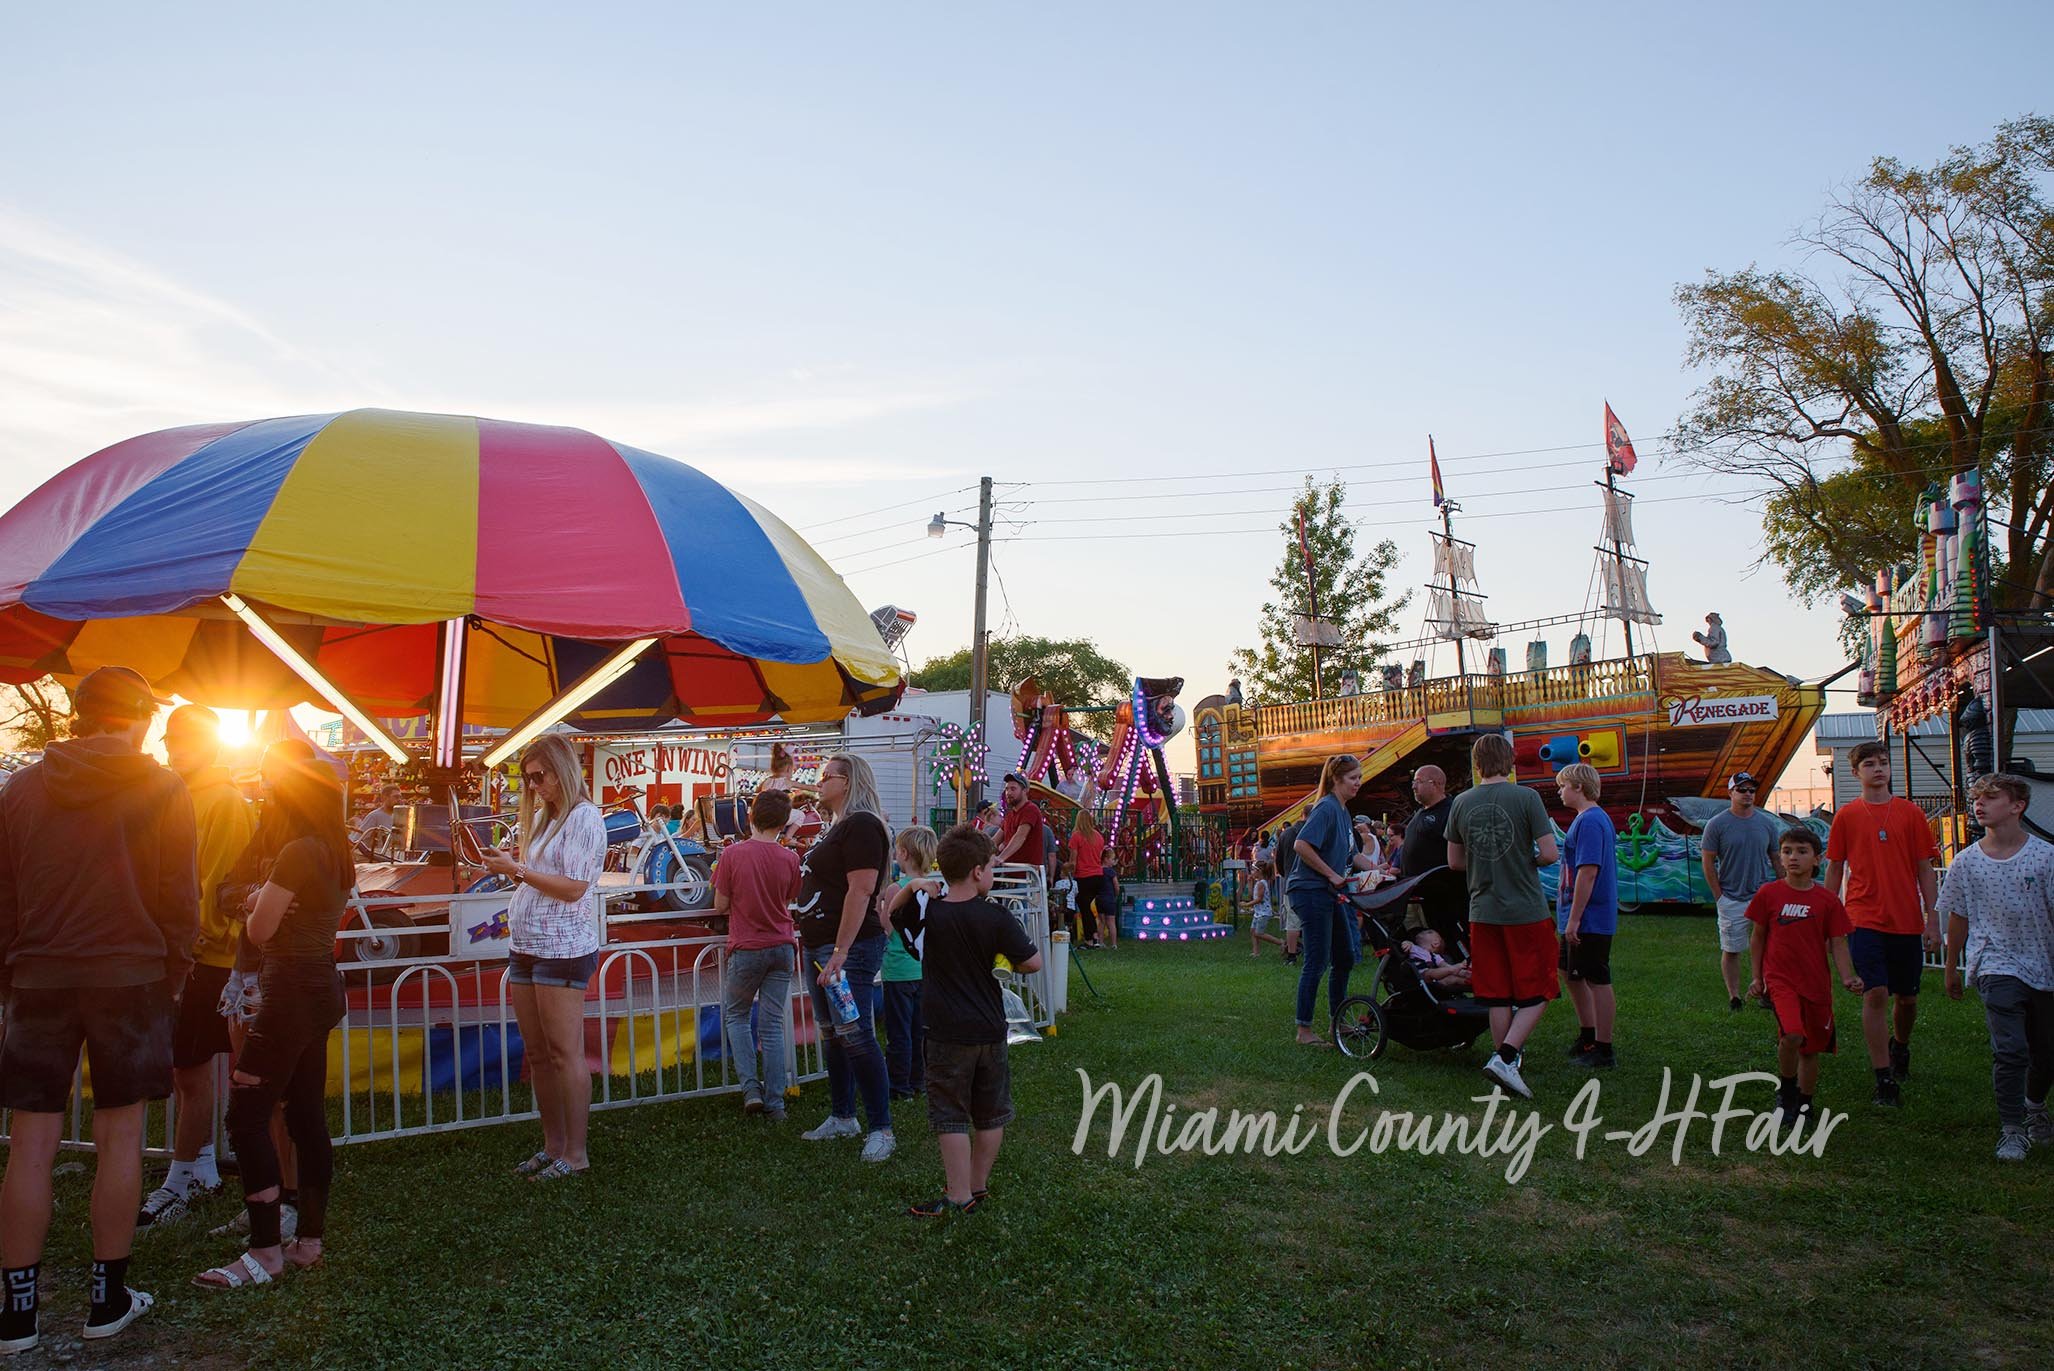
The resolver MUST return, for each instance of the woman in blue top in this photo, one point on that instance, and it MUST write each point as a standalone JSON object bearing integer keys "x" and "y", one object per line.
{"x": 1326, "y": 851}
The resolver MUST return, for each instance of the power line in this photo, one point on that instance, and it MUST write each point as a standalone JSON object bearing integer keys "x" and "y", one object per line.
{"x": 879, "y": 566}
{"x": 1663, "y": 445}
{"x": 877, "y": 529}
{"x": 1405, "y": 523}
{"x": 886, "y": 509}
{"x": 1488, "y": 494}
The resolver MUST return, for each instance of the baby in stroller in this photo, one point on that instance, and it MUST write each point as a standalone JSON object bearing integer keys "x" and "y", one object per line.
{"x": 1426, "y": 951}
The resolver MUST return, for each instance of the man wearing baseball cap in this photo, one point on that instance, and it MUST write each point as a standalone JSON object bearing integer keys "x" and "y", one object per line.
{"x": 225, "y": 824}
{"x": 1738, "y": 854}
{"x": 99, "y": 907}
{"x": 1020, "y": 835}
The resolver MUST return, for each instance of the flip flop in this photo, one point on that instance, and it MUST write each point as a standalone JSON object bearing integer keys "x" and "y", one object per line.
{"x": 245, "y": 1272}
{"x": 1316, "y": 1042}
{"x": 298, "y": 1265}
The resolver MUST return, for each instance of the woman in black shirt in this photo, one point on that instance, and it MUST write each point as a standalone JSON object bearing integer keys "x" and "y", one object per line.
{"x": 292, "y": 920}
{"x": 841, "y": 879}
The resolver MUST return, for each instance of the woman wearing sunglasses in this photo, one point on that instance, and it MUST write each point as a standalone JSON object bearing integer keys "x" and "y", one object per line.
{"x": 554, "y": 919}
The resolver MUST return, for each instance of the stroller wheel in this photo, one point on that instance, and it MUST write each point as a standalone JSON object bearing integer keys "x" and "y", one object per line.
{"x": 1359, "y": 1028}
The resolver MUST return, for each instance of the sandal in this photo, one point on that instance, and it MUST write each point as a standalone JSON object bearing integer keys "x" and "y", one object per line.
{"x": 939, "y": 1208}
{"x": 533, "y": 1164}
{"x": 293, "y": 1261}
{"x": 234, "y": 1276}
{"x": 557, "y": 1170}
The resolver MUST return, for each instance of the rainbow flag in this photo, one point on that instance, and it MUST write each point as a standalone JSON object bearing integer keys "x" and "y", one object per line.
{"x": 1433, "y": 466}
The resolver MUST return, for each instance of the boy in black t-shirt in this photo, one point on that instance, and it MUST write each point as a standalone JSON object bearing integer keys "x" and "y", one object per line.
{"x": 969, "y": 1085}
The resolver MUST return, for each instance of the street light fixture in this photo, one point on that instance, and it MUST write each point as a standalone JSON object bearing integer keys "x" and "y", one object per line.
{"x": 938, "y": 526}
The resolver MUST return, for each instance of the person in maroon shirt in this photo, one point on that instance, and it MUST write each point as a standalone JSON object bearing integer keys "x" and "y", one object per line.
{"x": 1020, "y": 836}
{"x": 754, "y": 884}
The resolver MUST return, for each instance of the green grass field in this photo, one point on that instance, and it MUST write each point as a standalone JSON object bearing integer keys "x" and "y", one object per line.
{"x": 702, "y": 1239}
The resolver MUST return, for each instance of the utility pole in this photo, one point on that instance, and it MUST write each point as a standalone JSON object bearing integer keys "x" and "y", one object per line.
{"x": 980, "y": 664}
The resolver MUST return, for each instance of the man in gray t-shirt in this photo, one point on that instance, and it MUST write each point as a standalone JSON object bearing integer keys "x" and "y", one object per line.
{"x": 1739, "y": 857}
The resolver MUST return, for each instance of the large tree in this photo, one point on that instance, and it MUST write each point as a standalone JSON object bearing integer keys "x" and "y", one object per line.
{"x": 35, "y": 715}
{"x": 1912, "y": 343}
{"x": 1072, "y": 669}
{"x": 1352, "y": 598}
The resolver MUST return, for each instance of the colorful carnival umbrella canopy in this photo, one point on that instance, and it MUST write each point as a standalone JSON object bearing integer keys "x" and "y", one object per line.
{"x": 430, "y": 563}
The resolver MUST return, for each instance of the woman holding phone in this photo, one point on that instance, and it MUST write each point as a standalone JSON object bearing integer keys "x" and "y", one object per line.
{"x": 554, "y": 919}
{"x": 290, "y": 922}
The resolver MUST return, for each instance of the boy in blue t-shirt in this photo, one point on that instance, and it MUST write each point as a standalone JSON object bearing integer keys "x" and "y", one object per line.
{"x": 1587, "y": 912}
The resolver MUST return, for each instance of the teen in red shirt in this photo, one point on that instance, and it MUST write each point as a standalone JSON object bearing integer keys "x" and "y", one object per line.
{"x": 1020, "y": 837}
{"x": 1883, "y": 848}
{"x": 1797, "y": 926}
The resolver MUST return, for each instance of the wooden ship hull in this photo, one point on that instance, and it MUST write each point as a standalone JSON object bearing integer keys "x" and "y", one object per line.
{"x": 1664, "y": 732}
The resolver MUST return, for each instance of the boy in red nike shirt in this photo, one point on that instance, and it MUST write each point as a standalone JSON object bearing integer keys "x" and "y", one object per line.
{"x": 1797, "y": 925}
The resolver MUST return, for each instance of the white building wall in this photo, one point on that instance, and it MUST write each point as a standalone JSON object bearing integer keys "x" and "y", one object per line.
{"x": 1838, "y": 735}
{"x": 900, "y": 748}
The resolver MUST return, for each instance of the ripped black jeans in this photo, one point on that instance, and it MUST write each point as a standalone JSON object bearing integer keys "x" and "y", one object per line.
{"x": 287, "y": 1054}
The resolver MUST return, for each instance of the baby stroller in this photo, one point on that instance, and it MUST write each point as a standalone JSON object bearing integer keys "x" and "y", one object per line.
{"x": 1400, "y": 1005}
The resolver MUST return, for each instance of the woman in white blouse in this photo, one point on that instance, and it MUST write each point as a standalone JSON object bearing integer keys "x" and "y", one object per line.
{"x": 554, "y": 920}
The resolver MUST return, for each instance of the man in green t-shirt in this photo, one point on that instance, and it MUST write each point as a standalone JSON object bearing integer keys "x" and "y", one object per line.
{"x": 1500, "y": 836}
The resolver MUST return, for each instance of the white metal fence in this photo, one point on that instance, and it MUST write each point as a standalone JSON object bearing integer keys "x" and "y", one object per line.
{"x": 429, "y": 1042}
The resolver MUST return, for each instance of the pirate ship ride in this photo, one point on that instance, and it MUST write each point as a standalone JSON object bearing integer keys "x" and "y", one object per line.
{"x": 1664, "y": 730}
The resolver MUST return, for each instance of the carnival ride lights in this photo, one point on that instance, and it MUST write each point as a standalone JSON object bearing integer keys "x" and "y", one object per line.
{"x": 261, "y": 630}
{"x": 588, "y": 685}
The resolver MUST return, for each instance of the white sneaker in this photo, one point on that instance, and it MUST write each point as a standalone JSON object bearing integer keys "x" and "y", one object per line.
{"x": 880, "y": 1145}
{"x": 833, "y": 1127}
{"x": 161, "y": 1208}
{"x": 1506, "y": 1074}
{"x": 2012, "y": 1145}
{"x": 138, "y": 1305}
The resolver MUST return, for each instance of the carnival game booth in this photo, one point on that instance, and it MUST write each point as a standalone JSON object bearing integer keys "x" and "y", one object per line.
{"x": 528, "y": 576}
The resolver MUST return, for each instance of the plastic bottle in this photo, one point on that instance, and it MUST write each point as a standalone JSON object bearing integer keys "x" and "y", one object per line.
{"x": 842, "y": 1001}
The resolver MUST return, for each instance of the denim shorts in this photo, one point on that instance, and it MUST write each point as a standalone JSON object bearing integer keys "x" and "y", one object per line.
{"x": 572, "y": 973}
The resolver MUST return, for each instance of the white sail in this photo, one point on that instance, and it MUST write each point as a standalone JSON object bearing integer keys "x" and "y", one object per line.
{"x": 1638, "y": 608}
{"x": 1440, "y": 616}
{"x": 1465, "y": 563}
{"x": 1619, "y": 517}
{"x": 1470, "y": 621}
{"x": 1444, "y": 564}
{"x": 1453, "y": 561}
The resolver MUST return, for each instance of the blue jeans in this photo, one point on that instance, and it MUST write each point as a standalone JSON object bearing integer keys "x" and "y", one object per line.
{"x": 760, "y": 976}
{"x": 855, "y": 1064}
{"x": 1328, "y": 940}
{"x": 905, "y": 1032}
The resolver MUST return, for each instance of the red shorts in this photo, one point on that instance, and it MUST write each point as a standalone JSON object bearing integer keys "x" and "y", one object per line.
{"x": 1811, "y": 1019}
{"x": 1512, "y": 964}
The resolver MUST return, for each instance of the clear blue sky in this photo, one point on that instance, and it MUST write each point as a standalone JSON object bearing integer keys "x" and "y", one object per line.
{"x": 845, "y": 256}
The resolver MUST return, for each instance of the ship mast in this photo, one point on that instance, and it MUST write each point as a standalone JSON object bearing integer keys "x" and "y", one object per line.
{"x": 1455, "y": 605}
{"x": 1448, "y": 508}
{"x": 1618, "y": 556}
{"x": 1624, "y": 578}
